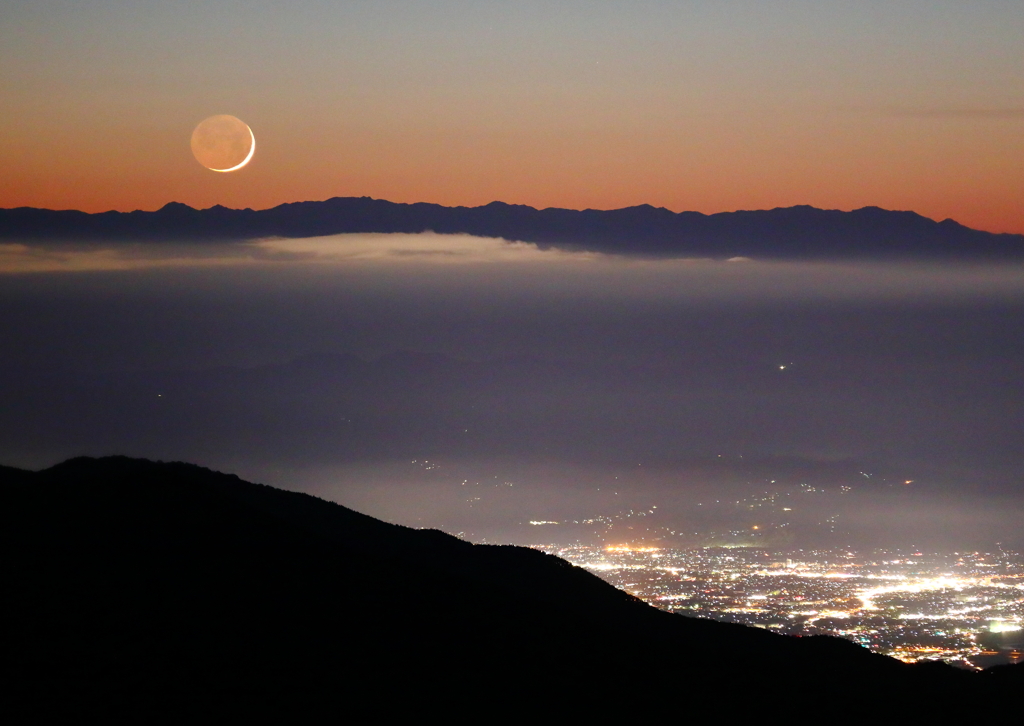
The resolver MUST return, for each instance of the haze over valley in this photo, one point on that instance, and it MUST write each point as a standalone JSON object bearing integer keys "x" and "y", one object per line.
{"x": 477, "y": 385}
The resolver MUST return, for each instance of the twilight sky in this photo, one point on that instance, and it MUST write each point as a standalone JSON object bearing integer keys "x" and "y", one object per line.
{"x": 479, "y": 385}
{"x": 709, "y": 106}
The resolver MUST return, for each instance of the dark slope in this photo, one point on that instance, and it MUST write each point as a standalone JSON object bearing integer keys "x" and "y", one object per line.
{"x": 801, "y": 232}
{"x": 166, "y": 591}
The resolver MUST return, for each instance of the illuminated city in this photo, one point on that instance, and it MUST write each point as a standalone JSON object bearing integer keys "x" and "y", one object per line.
{"x": 963, "y": 608}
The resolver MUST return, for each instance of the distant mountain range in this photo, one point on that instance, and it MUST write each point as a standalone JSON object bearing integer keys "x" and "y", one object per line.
{"x": 164, "y": 593}
{"x": 800, "y": 232}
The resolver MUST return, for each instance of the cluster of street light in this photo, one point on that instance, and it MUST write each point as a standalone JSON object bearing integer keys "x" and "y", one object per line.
{"x": 965, "y": 608}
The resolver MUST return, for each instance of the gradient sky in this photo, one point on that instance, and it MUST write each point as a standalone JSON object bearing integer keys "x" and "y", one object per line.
{"x": 708, "y": 106}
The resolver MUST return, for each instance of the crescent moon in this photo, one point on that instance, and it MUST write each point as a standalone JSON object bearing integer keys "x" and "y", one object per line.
{"x": 252, "y": 150}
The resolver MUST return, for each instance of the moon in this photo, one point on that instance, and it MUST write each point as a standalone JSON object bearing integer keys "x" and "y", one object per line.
{"x": 223, "y": 143}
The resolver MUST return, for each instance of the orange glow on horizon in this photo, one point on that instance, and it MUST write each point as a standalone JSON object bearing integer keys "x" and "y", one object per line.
{"x": 680, "y": 106}
{"x": 709, "y": 171}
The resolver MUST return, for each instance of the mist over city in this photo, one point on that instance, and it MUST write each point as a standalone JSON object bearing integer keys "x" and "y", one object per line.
{"x": 477, "y": 385}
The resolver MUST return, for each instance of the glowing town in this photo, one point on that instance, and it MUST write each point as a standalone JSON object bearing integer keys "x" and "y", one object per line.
{"x": 963, "y": 608}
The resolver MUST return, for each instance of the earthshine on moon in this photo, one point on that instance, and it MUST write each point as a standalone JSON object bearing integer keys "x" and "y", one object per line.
{"x": 223, "y": 143}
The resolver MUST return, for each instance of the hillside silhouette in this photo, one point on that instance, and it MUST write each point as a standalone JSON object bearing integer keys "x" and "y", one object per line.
{"x": 800, "y": 232}
{"x": 163, "y": 592}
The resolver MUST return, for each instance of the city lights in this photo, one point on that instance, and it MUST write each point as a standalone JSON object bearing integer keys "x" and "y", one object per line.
{"x": 966, "y": 609}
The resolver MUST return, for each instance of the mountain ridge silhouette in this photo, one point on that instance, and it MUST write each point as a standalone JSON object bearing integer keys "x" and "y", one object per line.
{"x": 799, "y": 232}
{"x": 165, "y": 591}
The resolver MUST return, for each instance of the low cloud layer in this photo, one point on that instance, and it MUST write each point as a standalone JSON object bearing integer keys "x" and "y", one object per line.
{"x": 333, "y": 250}
{"x": 535, "y": 384}
{"x": 425, "y": 257}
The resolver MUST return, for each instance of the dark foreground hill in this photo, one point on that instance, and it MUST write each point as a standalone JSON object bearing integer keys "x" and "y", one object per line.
{"x": 153, "y": 592}
{"x": 800, "y": 232}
